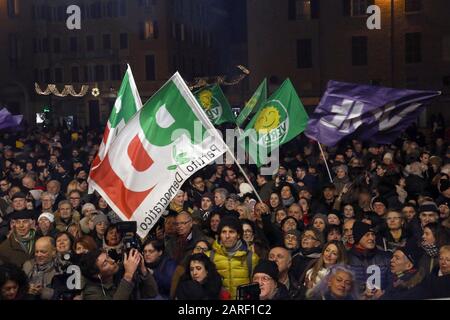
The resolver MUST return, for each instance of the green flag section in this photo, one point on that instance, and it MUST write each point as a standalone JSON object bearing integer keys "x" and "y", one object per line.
{"x": 216, "y": 106}
{"x": 165, "y": 143}
{"x": 255, "y": 102}
{"x": 128, "y": 102}
{"x": 279, "y": 120}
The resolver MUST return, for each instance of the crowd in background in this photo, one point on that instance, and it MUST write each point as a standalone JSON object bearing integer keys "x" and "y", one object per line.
{"x": 379, "y": 230}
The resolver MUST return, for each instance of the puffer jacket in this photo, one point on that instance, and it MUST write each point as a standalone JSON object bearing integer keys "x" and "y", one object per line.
{"x": 233, "y": 269}
{"x": 359, "y": 263}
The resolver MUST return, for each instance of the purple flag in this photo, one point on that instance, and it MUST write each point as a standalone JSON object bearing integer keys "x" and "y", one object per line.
{"x": 8, "y": 121}
{"x": 367, "y": 113}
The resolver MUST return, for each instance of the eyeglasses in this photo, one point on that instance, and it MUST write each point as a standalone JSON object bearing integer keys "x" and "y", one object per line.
{"x": 201, "y": 249}
{"x": 182, "y": 223}
{"x": 3, "y": 184}
{"x": 262, "y": 279}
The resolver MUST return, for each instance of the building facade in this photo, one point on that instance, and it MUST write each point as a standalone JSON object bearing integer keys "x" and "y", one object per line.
{"x": 314, "y": 41}
{"x": 155, "y": 37}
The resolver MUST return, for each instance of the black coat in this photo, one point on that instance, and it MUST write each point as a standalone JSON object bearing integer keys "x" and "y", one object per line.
{"x": 433, "y": 287}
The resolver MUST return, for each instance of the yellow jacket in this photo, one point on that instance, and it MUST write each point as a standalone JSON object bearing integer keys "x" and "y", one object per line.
{"x": 234, "y": 270}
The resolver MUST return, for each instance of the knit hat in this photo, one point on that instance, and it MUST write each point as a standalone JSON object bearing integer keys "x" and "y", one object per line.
{"x": 244, "y": 188}
{"x": 88, "y": 206}
{"x": 360, "y": 229}
{"x": 99, "y": 218}
{"x": 84, "y": 225}
{"x": 231, "y": 222}
{"x": 428, "y": 206}
{"x": 47, "y": 215}
{"x": 267, "y": 267}
{"x": 411, "y": 251}
{"x": 380, "y": 199}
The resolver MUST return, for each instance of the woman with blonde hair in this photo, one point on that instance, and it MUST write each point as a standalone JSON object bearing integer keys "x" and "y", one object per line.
{"x": 332, "y": 253}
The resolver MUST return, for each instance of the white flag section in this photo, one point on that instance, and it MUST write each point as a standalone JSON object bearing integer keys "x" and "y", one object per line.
{"x": 128, "y": 102}
{"x": 165, "y": 143}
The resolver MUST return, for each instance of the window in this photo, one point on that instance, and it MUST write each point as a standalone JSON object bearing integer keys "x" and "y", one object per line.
{"x": 90, "y": 43}
{"x": 73, "y": 44}
{"x": 61, "y": 13}
{"x": 96, "y": 10}
{"x": 36, "y": 75}
{"x": 99, "y": 73}
{"x": 148, "y": 30}
{"x": 45, "y": 45}
{"x": 115, "y": 72}
{"x": 413, "y": 5}
{"x": 58, "y": 75}
{"x": 57, "y": 45}
{"x": 359, "y": 51}
{"x": 413, "y": 47}
{"x": 13, "y": 8}
{"x": 124, "y": 41}
{"x": 107, "y": 41}
{"x": 304, "y": 53}
{"x": 112, "y": 9}
{"x": 75, "y": 74}
{"x": 150, "y": 67}
{"x": 356, "y": 8}
{"x": 302, "y": 10}
{"x": 123, "y": 8}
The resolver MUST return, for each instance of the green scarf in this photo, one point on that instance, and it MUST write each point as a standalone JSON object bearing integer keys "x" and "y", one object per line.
{"x": 26, "y": 242}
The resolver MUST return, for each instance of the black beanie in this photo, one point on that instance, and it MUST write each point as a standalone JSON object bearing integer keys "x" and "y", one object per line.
{"x": 267, "y": 267}
{"x": 412, "y": 252}
{"x": 231, "y": 222}
{"x": 382, "y": 200}
{"x": 360, "y": 229}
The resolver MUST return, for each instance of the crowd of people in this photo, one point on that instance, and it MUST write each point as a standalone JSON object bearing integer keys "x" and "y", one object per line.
{"x": 378, "y": 228}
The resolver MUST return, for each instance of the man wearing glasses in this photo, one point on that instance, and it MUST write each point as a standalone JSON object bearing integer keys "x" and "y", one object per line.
{"x": 181, "y": 245}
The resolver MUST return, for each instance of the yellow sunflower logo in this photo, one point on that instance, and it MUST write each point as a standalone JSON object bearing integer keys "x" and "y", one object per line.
{"x": 205, "y": 98}
{"x": 268, "y": 119}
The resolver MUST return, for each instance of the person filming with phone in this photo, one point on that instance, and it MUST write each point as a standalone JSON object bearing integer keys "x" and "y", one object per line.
{"x": 107, "y": 279}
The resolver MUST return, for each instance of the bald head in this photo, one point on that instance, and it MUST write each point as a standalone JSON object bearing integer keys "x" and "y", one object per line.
{"x": 282, "y": 257}
{"x": 44, "y": 250}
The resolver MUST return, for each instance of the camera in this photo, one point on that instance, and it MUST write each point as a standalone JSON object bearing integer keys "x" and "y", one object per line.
{"x": 128, "y": 229}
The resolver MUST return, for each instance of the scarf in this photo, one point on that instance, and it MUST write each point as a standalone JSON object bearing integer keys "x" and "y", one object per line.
{"x": 26, "y": 242}
{"x": 231, "y": 252}
{"x": 430, "y": 249}
{"x": 36, "y": 275}
{"x": 288, "y": 202}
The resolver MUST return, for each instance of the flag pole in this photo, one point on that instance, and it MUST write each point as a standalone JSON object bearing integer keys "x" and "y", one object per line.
{"x": 326, "y": 163}
{"x": 243, "y": 172}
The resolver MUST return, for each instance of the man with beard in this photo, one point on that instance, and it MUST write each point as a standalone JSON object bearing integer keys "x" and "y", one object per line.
{"x": 197, "y": 190}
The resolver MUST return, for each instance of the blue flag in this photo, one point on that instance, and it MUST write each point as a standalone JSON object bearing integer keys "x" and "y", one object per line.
{"x": 367, "y": 113}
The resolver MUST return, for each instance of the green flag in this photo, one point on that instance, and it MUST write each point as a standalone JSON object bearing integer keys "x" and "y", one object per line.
{"x": 279, "y": 120}
{"x": 215, "y": 104}
{"x": 255, "y": 102}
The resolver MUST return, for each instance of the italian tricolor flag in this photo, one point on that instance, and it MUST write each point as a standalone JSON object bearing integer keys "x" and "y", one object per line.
{"x": 162, "y": 145}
